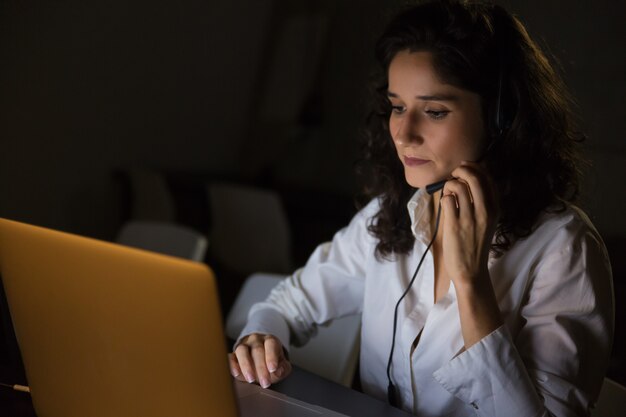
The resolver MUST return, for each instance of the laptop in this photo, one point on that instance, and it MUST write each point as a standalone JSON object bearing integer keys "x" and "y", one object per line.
{"x": 108, "y": 330}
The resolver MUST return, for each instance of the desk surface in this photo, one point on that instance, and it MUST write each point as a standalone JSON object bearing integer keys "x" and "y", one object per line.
{"x": 313, "y": 389}
{"x": 301, "y": 385}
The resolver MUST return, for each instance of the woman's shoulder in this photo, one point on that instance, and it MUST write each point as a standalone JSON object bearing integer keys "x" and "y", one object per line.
{"x": 565, "y": 227}
{"x": 365, "y": 215}
{"x": 369, "y": 210}
{"x": 358, "y": 228}
{"x": 567, "y": 217}
{"x": 564, "y": 253}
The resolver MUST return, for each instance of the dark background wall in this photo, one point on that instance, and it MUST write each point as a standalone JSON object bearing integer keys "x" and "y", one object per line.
{"x": 93, "y": 86}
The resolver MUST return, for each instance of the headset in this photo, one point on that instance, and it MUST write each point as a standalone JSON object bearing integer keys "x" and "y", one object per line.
{"x": 391, "y": 389}
{"x": 499, "y": 125}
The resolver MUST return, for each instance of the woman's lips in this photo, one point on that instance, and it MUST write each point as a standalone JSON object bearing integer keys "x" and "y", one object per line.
{"x": 412, "y": 162}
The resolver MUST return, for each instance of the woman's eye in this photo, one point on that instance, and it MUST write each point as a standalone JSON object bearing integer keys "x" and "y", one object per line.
{"x": 437, "y": 114}
{"x": 397, "y": 109}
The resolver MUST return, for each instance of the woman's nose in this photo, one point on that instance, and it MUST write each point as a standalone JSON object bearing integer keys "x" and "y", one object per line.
{"x": 407, "y": 130}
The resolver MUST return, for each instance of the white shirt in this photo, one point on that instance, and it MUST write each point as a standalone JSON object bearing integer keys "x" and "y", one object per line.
{"x": 549, "y": 358}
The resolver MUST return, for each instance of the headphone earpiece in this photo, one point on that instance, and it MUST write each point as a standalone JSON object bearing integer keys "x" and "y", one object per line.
{"x": 501, "y": 120}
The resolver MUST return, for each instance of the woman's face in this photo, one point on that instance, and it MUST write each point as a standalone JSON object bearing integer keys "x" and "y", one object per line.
{"x": 434, "y": 125}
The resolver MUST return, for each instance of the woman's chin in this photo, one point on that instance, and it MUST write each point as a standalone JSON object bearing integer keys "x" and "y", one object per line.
{"x": 416, "y": 184}
{"x": 419, "y": 182}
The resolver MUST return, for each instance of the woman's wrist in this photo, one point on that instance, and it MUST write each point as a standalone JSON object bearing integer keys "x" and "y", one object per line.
{"x": 478, "y": 309}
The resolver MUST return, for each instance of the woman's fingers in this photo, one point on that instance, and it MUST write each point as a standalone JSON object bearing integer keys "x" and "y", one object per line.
{"x": 246, "y": 364}
{"x": 260, "y": 367}
{"x": 277, "y": 363}
{"x": 469, "y": 219}
{"x": 458, "y": 191}
{"x": 273, "y": 353}
{"x": 479, "y": 184}
{"x": 259, "y": 358}
{"x": 235, "y": 370}
{"x": 450, "y": 205}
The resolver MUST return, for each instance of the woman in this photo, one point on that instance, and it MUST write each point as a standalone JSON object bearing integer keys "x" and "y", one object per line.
{"x": 490, "y": 296}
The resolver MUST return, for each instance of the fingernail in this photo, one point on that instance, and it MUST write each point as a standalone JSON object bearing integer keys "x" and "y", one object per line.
{"x": 234, "y": 372}
{"x": 265, "y": 383}
{"x": 272, "y": 366}
{"x": 249, "y": 378}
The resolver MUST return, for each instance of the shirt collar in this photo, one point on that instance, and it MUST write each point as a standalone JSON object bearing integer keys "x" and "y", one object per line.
{"x": 419, "y": 208}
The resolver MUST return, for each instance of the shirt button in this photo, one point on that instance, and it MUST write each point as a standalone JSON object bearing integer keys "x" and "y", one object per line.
{"x": 474, "y": 405}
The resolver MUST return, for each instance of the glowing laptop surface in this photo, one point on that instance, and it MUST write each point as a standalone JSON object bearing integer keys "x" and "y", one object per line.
{"x": 107, "y": 330}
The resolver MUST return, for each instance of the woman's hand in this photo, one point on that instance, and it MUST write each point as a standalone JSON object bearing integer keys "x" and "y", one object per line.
{"x": 469, "y": 219}
{"x": 261, "y": 358}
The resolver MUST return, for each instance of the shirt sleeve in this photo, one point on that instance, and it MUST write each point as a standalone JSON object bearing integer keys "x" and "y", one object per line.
{"x": 330, "y": 286}
{"x": 555, "y": 364}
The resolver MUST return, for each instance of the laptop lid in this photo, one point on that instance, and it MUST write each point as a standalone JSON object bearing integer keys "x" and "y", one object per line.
{"x": 106, "y": 330}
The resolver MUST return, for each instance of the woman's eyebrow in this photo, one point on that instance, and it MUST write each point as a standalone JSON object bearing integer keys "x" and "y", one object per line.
{"x": 430, "y": 97}
{"x": 439, "y": 97}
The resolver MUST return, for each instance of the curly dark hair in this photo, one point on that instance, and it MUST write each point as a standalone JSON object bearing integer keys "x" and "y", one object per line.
{"x": 533, "y": 157}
